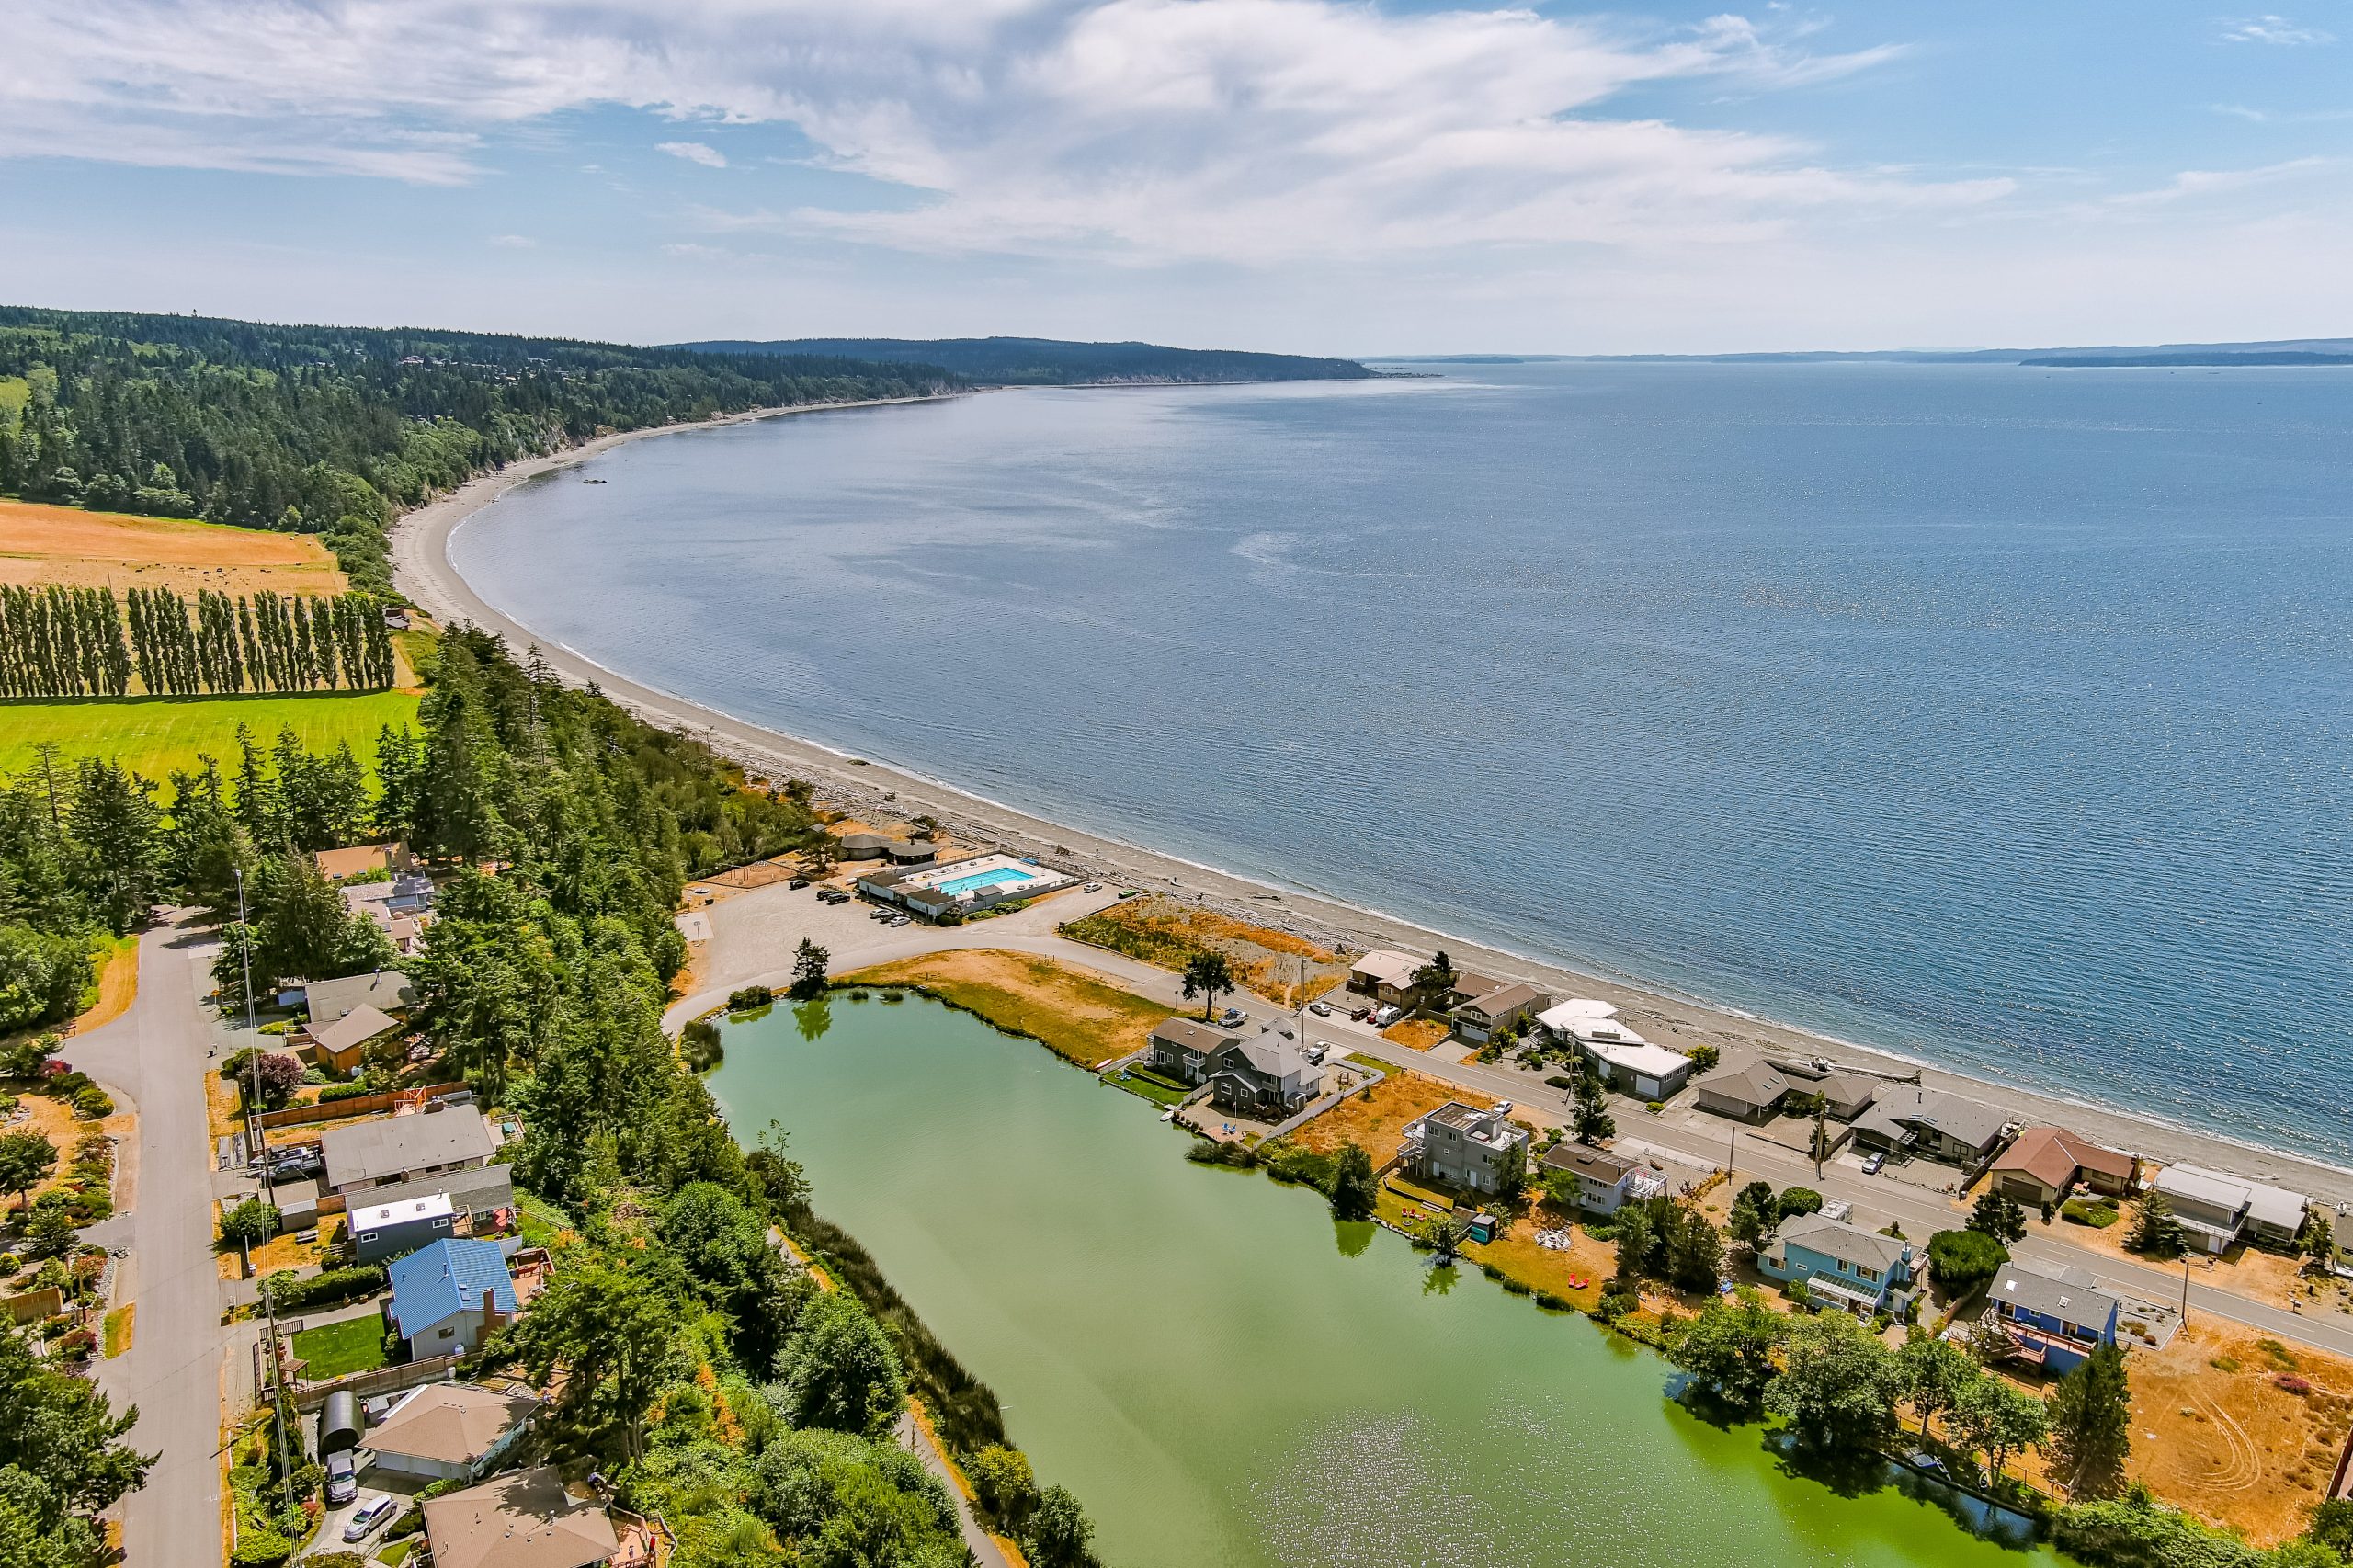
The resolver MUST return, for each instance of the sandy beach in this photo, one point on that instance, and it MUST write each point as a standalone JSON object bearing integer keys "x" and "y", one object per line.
{"x": 422, "y": 569}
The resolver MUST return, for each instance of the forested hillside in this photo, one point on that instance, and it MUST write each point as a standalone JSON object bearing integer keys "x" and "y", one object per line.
{"x": 334, "y": 430}
{"x": 1046, "y": 361}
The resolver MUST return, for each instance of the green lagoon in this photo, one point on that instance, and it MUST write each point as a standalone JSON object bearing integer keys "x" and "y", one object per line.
{"x": 1225, "y": 1377}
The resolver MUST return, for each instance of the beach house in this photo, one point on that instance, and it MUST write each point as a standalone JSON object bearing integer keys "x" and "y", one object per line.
{"x": 1386, "y": 976}
{"x": 2055, "y": 1316}
{"x": 1460, "y": 1145}
{"x": 1906, "y": 1119}
{"x": 1751, "y": 1093}
{"x": 2217, "y": 1210}
{"x": 1606, "y": 1182}
{"x": 1628, "y": 1061}
{"x": 1842, "y": 1266}
{"x": 450, "y": 1297}
{"x": 2042, "y": 1164}
{"x": 1499, "y": 1010}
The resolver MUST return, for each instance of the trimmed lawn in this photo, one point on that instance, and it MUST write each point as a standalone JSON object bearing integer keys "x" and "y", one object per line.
{"x": 355, "y": 1344}
{"x": 154, "y": 735}
{"x": 1158, "y": 1091}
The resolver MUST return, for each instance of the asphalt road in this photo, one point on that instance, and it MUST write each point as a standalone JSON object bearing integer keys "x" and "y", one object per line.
{"x": 755, "y": 933}
{"x": 154, "y": 1057}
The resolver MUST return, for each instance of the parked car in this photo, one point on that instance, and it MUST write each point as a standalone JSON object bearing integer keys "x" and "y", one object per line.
{"x": 1361, "y": 1015}
{"x": 343, "y": 1481}
{"x": 1319, "y": 1009}
{"x": 879, "y": 912}
{"x": 896, "y": 920}
{"x": 1092, "y": 887}
{"x": 799, "y": 883}
{"x": 371, "y": 1513}
{"x": 1873, "y": 1161}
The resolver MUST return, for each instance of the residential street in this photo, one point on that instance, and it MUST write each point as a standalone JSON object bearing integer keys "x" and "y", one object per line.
{"x": 154, "y": 1057}
{"x": 754, "y": 935}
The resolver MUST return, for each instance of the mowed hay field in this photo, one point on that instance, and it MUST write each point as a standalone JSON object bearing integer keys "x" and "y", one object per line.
{"x": 154, "y": 735}
{"x": 112, "y": 550}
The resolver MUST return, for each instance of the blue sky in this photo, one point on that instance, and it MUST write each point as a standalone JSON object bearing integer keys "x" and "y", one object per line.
{"x": 1286, "y": 174}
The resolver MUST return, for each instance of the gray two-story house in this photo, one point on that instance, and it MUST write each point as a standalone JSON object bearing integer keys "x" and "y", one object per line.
{"x": 1261, "y": 1075}
{"x": 1463, "y": 1147}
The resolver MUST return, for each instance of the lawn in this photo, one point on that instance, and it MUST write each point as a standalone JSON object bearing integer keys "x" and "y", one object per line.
{"x": 1072, "y": 1014}
{"x": 331, "y": 1351}
{"x": 154, "y": 735}
{"x": 1159, "y": 1091}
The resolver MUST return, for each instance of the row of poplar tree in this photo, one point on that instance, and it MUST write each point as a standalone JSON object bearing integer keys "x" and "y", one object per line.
{"x": 62, "y": 641}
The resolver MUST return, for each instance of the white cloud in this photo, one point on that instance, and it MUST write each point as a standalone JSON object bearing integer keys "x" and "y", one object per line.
{"x": 2275, "y": 30}
{"x": 2193, "y": 184}
{"x": 514, "y": 242}
{"x": 702, "y": 153}
{"x": 1127, "y": 131}
{"x": 689, "y": 252}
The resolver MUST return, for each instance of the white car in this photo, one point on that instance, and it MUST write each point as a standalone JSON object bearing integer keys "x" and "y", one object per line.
{"x": 370, "y": 1514}
{"x": 1319, "y": 1009}
{"x": 1872, "y": 1162}
{"x": 1092, "y": 887}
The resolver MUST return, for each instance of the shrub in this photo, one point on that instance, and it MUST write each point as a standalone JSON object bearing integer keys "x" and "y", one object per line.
{"x": 1517, "y": 1287}
{"x": 749, "y": 997}
{"x": 1001, "y": 1479}
{"x": 1799, "y": 1200}
{"x": 351, "y": 1091}
{"x": 698, "y": 1045}
{"x": 1490, "y": 1271}
{"x": 2098, "y": 1213}
{"x": 1288, "y": 1161}
{"x": 333, "y": 1288}
{"x": 250, "y": 1223}
{"x": 1551, "y": 1302}
{"x": 77, "y": 1344}
{"x": 92, "y": 1104}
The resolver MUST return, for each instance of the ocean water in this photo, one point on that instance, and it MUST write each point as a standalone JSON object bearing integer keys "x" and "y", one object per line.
{"x": 2000, "y": 716}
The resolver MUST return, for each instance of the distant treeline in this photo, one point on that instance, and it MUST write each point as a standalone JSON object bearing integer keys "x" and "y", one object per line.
{"x": 61, "y": 641}
{"x": 334, "y": 430}
{"x": 1046, "y": 361}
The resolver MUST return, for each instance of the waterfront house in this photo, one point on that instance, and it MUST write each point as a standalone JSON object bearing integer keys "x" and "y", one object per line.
{"x": 387, "y": 990}
{"x": 2217, "y": 1210}
{"x": 403, "y": 1148}
{"x": 1482, "y": 1019}
{"x": 1905, "y": 1118}
{"x": 1606, "y": 1181}
{"x": 1181, "y": 1048}
{"x": 1262, "y": 1076}
{"x": 1386, "y": 976}
{"x": 381, "y": 1231}
{"x": 1753, "y": 1093}
{"x": 449, "y": 1432}
{"x": 341, "y": 1045}
{"x": 450, "y": 1297}
{"x": 2055, "y": 1316}
{"x": 1627, "y": 1062}
{"x": 1845, "y": 1096}
{"x": 1842, "y": 1266}
{"x": 2042, "y": 1164}
{"x": 527, "y": 1520}
{"x": 1463, "y": 1147}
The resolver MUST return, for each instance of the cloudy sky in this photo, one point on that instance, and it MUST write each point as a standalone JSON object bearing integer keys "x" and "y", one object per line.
{"x": 1365, "y": 178}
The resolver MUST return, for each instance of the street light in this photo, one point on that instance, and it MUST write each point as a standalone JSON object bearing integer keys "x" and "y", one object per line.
{"x": 244, "y": 947}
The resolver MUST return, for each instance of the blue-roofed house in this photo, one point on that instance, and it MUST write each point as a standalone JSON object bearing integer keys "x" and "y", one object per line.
{"x": 450, "y": 1297}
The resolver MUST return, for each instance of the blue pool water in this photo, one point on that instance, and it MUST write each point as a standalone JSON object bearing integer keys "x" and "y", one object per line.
{"x": 997, "y": 878}
{"x": 2002, "y": 716}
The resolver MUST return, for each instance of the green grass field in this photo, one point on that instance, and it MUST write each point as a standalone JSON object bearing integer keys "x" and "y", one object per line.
{"x": 154, "y": 735}
{"x": 355, "y": 1344}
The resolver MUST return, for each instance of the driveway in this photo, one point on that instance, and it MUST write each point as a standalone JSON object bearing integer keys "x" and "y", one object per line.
{"x": 153, "y": 1057}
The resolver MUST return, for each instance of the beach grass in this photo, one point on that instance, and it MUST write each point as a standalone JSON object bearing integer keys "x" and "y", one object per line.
{"x": 154, "y": 735}
{"x": 118, "y": 1330}
{"x": 1073, "y": 1015}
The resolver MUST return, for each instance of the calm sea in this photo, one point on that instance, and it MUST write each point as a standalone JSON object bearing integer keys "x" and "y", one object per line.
{"x": 2001, "y": 716}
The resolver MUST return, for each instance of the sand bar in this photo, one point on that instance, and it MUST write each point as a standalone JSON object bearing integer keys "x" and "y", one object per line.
{"x": 422, "y": 569}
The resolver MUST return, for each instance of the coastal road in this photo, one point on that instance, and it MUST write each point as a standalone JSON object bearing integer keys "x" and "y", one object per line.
{"x": 153, "y": 1057}
{"x": 755, "y": 933}
{"x": 1877, "y": 1199}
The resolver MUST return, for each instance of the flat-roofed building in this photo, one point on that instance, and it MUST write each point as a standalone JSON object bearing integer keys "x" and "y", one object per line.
{"x": 2217, "y": 1210}
{"x": 1465, "y": 1146}
{"x": 381, "y": 1231}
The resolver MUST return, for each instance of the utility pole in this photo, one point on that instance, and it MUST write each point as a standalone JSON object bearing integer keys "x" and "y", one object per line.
{"x": 277, "y": 1387}
{"x": 245, "y": 950}
{"x": 2185, "y": 1290}
{"x": 1820, "y": 1106}
{"x": 1732, "y": 1160}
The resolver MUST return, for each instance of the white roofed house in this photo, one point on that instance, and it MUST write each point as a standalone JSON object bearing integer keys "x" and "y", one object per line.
{"x": 1632, "y": 1064}
{"x": 381, "y": 1231}
{"x": 2217, "y": 1210}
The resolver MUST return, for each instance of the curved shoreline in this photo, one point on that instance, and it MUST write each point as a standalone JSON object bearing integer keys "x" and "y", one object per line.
{"x": 420, "y": 546}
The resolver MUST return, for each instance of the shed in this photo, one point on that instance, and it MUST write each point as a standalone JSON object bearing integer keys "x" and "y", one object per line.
{"x": 339, "y": 1424}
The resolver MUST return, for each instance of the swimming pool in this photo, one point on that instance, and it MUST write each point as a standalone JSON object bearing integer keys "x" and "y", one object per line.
{"x": 996, "y": 877}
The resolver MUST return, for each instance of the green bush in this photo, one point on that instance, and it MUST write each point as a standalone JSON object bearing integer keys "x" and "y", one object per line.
{"x": 749, "y": 997}
{"x": 250, "y": 1223}
{"x": 1799, "y": 1200}
{"x": 1551, "y": 1302}
{"x": 1288, "y": 1161}
{"x": 1490, "y": 1271}
{"x": 92, "y": 1104}
{"x": 2135, "y": 1532}
{"x": 1517, "y": 1287}
{"x": 350, "y": 1091}
{"x": 330, "y": 1288}
{"x": 2098, "y": 1213}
